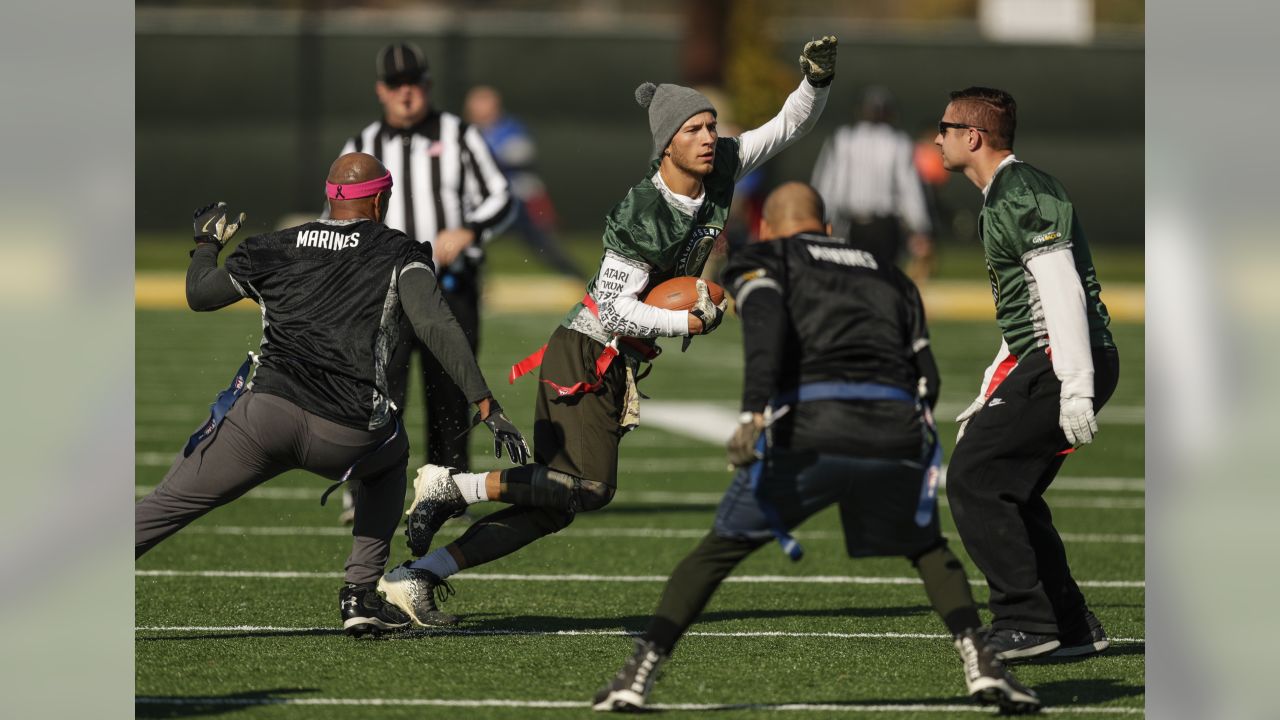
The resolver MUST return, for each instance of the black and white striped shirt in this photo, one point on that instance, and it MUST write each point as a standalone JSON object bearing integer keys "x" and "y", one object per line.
{"x": 868, "y": 170}
{"x": 445, "y": 177}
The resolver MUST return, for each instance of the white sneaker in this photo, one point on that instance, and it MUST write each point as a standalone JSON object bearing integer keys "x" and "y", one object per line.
{"x": 414, "y": 591}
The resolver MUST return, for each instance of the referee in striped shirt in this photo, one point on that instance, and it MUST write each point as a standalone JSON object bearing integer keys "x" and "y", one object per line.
{"x": 449, "y": 193}
{"x": 866, "y": 174}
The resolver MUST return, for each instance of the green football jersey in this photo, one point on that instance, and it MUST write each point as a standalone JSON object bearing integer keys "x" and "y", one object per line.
{"x": 1027, "y": 213}
{"x": 644, "y": 227}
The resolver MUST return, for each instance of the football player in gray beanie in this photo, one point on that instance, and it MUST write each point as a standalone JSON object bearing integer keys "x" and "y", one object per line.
{"x": 587, "y": 398}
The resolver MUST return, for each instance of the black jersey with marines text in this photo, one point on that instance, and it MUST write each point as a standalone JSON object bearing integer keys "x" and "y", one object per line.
{"x": 331, "y": 315}
{"x": 848, "y": 318}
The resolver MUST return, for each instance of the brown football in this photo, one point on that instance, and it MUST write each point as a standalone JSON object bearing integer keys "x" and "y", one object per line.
{"x": 680, "y": 293}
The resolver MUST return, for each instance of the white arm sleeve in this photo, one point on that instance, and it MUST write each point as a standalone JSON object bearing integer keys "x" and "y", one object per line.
{"x": 617, "y": 295}
{"x": 798, "y": 116}
{"x": 991, "y": 369}
{"x": 1063, "y": 300}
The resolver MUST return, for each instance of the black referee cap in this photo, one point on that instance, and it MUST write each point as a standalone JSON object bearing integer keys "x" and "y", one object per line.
{"x": 402, "y": 62}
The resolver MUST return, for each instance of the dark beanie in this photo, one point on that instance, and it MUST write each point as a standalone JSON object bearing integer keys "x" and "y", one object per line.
{"x": 669, "y": 107}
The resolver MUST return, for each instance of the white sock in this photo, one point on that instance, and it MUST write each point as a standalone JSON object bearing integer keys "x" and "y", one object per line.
{"x": 472, "y": 486}
{"x": 438, "y": 562}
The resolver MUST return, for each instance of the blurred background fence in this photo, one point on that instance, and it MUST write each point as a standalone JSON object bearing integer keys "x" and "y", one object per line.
{"x": 250, "y": 105}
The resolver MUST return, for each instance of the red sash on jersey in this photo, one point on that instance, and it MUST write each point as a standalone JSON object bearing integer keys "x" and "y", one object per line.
{"x": 1005, "y": 367}
{"x": 601, "y": 365}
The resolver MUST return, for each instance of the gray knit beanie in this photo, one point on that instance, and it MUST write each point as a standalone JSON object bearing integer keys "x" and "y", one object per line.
{"x": 669, "y": 107}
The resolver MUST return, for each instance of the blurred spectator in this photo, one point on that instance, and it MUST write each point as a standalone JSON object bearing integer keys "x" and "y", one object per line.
{"x": 514, "y": 149}
{"x": 866, "y": 174}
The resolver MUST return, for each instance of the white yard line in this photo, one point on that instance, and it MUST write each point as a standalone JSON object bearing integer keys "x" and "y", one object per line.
{"x": 582, "y": 705}
{"x": 584, "y": 577}
{"x": 602, "y": 532}
{"x": 673, "y": 498}
{"x": 575, "y": 633}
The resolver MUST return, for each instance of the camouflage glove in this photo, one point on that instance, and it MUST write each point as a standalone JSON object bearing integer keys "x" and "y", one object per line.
{"x": 742, "y": 446}
{"x": 211, "y": 224}
{"x": 818, "y": 61}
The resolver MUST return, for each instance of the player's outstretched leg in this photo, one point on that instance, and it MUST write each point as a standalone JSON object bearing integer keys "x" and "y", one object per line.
{"x": 629, "y": 690}
{"x": 364, "y": 612}
{"x": 987, "y": 679}
{"x": 436, "y": 498}
{"x": 416, "y": 592}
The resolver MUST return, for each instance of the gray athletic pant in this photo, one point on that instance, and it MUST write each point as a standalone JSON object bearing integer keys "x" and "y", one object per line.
{"x": 264, "y": 436}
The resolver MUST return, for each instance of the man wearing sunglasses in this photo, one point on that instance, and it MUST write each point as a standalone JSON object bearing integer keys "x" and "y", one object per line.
{"x": 1056, "y": 367}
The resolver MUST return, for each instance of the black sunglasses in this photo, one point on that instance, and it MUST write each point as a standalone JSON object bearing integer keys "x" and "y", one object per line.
{"x": 942, "y": 127}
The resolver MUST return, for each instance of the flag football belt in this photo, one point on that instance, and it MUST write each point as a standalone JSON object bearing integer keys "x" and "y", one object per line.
{"x": 347, "y": 475}
{"x": 810, "y": 392}
{"x": 602, "y": 363}
{"x": 222, "y": 404}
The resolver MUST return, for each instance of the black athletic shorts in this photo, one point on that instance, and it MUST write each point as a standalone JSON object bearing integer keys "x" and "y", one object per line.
{"x": 878, "y": 500}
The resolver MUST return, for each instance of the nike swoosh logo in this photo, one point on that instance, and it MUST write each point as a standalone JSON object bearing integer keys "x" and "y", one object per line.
{"x": 205, "y": 229}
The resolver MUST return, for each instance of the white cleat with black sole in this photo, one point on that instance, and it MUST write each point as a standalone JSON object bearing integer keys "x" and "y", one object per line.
{"x": 989, "y": 682}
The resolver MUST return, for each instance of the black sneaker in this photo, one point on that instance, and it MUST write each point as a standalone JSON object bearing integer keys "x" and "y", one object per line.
{"x": 1089, "y": 641}
{"x": 1010, "y": 644}
{"x": 415, "y": 592}
{"x": 435, "y": 499}
{"x": 989, "y": 682}
{"x": 629, "y": 690}
{"x": 364, "y": 612}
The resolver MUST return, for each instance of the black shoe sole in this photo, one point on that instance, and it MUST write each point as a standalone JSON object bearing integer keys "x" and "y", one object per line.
{"x": 372, "y": 628}
{"x": 1082, "y": 650}
{"x": 1006, "y": 706}
{"x": 1022, "y": 654}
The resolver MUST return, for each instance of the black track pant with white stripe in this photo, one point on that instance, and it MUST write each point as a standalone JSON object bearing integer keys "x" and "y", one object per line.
{"x": 264, "y": 436}
{"x": 999, "y": 471}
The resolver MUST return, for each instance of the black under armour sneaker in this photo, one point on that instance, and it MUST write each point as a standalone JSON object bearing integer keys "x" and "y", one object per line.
{"x": 1090, "y": 640}
{"x": 629, "y": 690}
{"x": 436, "y": 498}
{"x": 1010, "y": 644}
{"x": 415, "y": 592}
{"x": 364, "y": 612}
{"x": 989, "y": 682}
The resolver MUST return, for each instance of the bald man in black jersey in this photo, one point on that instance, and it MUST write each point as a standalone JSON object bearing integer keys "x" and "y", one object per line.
{"x": 839, "y": 371}
{"x": 332, "y": 293}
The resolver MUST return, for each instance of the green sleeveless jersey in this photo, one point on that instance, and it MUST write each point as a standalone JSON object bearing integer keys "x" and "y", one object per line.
{"x": 647, "y": 229}
{"x": 1027, "y": 213}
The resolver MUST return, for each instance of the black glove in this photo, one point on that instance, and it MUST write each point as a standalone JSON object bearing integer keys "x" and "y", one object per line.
{"x": 211, "y": 224}
{"x": 742, "y": 446}
{"x": 505, "y": 434}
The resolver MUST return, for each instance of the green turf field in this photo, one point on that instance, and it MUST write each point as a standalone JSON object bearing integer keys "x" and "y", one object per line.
{"x": 237, "y": 615}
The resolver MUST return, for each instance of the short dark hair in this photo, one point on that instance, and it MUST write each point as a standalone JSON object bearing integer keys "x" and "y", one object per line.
{"x": 989, "y": 108}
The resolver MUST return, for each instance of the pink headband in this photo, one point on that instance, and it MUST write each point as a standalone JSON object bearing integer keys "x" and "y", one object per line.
{"x": 352, "y": 191}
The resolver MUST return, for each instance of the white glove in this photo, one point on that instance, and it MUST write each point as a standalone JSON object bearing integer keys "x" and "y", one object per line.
{"x": 708, "y": 312}
{"x": 963, "y": 418}
{"x": 1075, "y": 416}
